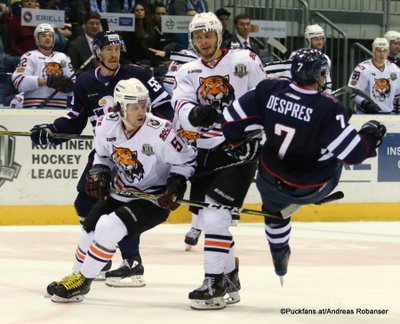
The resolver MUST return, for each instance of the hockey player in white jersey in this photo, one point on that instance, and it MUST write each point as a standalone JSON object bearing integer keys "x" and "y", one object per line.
{"x": 42, "y": 71}
{"x": 203, "y": 89}
{"x": 379, "y": 79}
{"x": 146, "y": 156}
{"x": 315, "y": 39}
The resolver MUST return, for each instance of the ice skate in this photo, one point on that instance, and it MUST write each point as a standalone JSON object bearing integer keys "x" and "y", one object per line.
{"x": 210, "y": 295}
{"x": 233, "y": 285}
{"x": 50, "y": 287}
{"x": 102, "y": 274}
{"x": 280, "y": 258}
{"x": 192, "y": 238}
{"x": 129, "y": 274}
{"x": 71, "y": 290}
{"x": 235, "y": 219}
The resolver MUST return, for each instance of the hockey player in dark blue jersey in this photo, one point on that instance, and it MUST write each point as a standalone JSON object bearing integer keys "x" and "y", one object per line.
{"x": 308, "y": 139}
{"x": 93, "y": 97}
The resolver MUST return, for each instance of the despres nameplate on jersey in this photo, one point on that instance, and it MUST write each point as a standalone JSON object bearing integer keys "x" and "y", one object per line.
{"x": 240, "y": 70}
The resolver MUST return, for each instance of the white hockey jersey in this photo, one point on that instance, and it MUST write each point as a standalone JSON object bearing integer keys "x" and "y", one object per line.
{"x": 143, "y": 161}
{"x": 178, "y": 59}
{"x": 382, "y": 86}
{"x": 34, "y": 65}
{"x": 237, "y": 71}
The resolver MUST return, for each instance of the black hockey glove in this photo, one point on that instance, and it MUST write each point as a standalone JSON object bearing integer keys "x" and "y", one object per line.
{"x": 375, "y": 129}
{"x": 60, "y": 83}
{"x": 43, "y": 134}
{"x": 176, "y": 187}
{"x": 244, "y": 150}
{"x": 203, "y": 116}
{"x": 369, "y": 107}
{"x": 98, "y": 182}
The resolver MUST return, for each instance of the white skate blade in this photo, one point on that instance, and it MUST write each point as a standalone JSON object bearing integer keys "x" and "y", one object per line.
{"x": 188, "y": 247}
{"x": 47, "y": 295}
{"x": 209, "y": 304}
{"x": 234, "y": 222}
{"x": 75, "y": 299}
{"x": 134, "y": 281}
{"x": 232, "y": 298}
{"x": 101, "y": 276}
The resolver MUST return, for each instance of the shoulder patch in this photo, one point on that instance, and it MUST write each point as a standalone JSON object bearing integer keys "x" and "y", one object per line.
{"x": 112, "y": 116}
{"x": 153, "y": 123}
{"x": 165, "y": 132}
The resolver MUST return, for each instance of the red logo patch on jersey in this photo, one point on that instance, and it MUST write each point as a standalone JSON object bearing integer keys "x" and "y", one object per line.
{"x": 381, "y": 89}
{"x": 165, "y": 132}
{"x": 52, "y": 68}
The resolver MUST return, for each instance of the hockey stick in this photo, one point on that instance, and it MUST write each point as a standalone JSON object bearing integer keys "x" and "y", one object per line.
{"x": 46, "y": 101}
{"x": 277, "y": 44}
{"x": 55, "y": 135}
{"x": 234, "y": 210}
{"x": 351, "y": 91}
{"x": 252, "y": 135}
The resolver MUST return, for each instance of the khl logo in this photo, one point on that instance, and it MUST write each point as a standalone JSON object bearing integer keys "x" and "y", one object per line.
{"x": 8, "y": 168}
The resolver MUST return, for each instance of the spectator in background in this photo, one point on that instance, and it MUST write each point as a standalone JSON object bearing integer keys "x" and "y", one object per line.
{"x": 81, "y": 48}
{"x": 138, "y": 42}
{"x": 242, "y": 24}
{"x": 20, "y": 38}
{"x": 185, "y": 8}
{"x": 161, "y": 39}
{"x": 83, "y": 7}
{"x": 223, "y": 16}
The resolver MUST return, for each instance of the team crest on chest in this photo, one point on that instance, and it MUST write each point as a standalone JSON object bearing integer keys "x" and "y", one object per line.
{"x": 52, "y": 68}
{"x": 215, "y": 91}
{"x": 240, "y": 70}
{"x": 381, "y": 89}
{"x": 128, "y": 164}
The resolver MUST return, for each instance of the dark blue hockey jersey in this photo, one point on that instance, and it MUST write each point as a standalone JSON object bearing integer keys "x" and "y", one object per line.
{"x": 93, "y": 97}
{"x": 307, "y": 133}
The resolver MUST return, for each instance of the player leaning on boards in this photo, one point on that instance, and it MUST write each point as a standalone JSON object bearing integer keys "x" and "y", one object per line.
{"x": 146, "y": 155}
{"x": 42, "y": 71}
{"x": 204, "y": 88}
{"x": 379, "y": 79}
{"x": 309, "y": 139}
{"x": 93, "y": 97}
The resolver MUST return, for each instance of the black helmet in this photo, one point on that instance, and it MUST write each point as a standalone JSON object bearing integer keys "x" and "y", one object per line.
{"x": 104, "y": 38}
{"x": 308, "y": 65}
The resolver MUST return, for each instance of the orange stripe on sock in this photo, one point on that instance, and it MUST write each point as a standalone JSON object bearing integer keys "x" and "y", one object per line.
{"x": 100, "y": 253}
{"x": 217, "y": 243}
{"x": 79, "y": 255}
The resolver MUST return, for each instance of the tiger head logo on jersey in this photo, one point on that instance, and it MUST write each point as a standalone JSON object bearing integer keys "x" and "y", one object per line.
{"x": 128, "y": 165}
{"x": 215, "y": 91}
{"x": 381, "y": 89}
{"x": 52, "y": 68}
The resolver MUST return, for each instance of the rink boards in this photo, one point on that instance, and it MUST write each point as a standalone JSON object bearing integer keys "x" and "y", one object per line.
{"x": 37, "y": 183}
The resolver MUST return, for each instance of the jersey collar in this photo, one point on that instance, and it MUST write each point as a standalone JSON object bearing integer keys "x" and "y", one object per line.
{"x": 299, "y": 88}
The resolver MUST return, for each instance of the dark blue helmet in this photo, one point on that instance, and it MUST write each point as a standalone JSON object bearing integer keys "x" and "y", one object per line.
{"x": 308, "y": 65}
{"x": 106, "y": 38}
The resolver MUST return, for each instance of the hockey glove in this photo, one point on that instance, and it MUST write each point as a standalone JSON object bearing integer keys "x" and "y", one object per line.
{"x": 369, "y": 107}
{"x": 203, "y": 116}
{"x": 43, "y": 134}
{"x": 98, "y": 182}
{"x": 375, "y": 129}
{"x": 244, "y": 150}
{"x": 60, "y": 83}
{"x": 176, "y": 187}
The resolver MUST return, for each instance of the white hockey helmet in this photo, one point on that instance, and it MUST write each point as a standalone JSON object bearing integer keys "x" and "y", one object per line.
{"x": 380, "y": 42}
{"x": 206, "y": 21}
{"x": 43, "y": 28}
{"x": 312, "y": 31}
{"x": 392, "y": 35}
{"x": 127, "y": 92}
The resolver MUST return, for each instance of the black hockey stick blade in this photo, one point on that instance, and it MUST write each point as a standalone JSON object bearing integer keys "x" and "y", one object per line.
{"x": 337, "y": 195}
